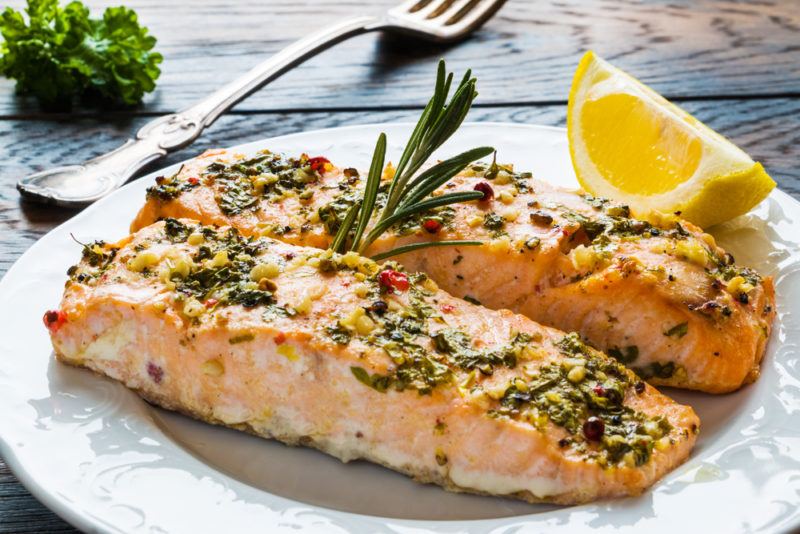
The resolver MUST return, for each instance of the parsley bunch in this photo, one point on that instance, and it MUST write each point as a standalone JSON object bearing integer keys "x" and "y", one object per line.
{"x": 63, "y": 53}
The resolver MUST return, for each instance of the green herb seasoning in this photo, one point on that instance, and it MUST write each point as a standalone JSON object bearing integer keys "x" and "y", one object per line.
{"x": 657, "y": 370}
{"x": 226, "y": 282}
{"x": 404, "y": 335}
{"x": 98, "y": 257}
{"x": 333, "y": 213}
{"x": 443, "y": 215}
{"x": 240, "y": 185}
{"x": 678, "y": 331}
{"x": 559, "y": 394}
{"x": 339, "y": 334}
{"x": 242, "y": 338}
{"x": 169, "y": 188}
{"x": 176, "y": 231}
{"x": 459, "y": 347}
{"x": 494, "y": 223}
{"x": 520, "y": 180}
{"x": 624, "y": 355}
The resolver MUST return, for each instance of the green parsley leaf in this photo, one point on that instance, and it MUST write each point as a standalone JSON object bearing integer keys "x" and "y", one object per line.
{"x": 62, "y": 53}
{"x": 679, "y": 330}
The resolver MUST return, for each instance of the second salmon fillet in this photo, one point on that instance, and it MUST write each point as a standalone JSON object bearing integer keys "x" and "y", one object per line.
{"x": 658, "y": 294}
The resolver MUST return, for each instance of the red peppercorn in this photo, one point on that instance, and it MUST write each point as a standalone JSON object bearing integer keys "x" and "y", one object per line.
{"x": 599, "y": 390}
{"x": 53, "y": 319}
{"x": 210, "y": 303}
{"x": 486, "y": 189}
{"x": 155, "y": 372}
{"x": 432, "y": 226}
{"x": 594, "y": 428}
{"x": 392, "y": 280}
{"x": 447, "y": 308}
{"x": 318, "y": 163}
{"x": 280, "y": 339}
{"x": 193, "y": 180}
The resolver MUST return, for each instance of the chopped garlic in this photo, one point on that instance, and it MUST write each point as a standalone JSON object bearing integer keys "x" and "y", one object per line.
{"x": 195, "y": 239}
{"x": 497, "y": 391}
{"x": 143, "y": 260}
{"x": 182, "y": 267}
{"x": 352, "y": 318}
{"x": 361, "y": 290}
{"x": 193, "y": 308}
{"x": 583, "y": 258}
{"x": 307, "y": 298}
{"x": 652, "y": 428}
{"x": 213, "y": 367}
{"x": 553, "y": 397}
{"x": 500, "y": 245}
{"x": 265, "y": 270}
{"x": 505, "y": 197}
{"x": 288, "y": 352}
{"x": 502, "y": 178}
{"x": 738, "y": 284}
{"x": 576, "y": 374}
{"x": 663, "y": 444}
{"x": 220, "y": 259}
{"x": 351, "y": 259}
{"x": 692, "y": 251}
{"x": 430, "y": 285}
{"x": 364, "y": 325}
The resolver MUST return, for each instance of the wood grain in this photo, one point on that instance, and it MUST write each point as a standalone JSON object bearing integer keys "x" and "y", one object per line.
{"x": 526, "y": 54}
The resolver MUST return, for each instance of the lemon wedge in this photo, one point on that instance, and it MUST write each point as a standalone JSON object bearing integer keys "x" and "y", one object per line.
{"x": 630, "y": 144}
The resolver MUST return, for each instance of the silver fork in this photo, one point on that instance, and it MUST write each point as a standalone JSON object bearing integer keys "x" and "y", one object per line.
{"x": 440, "y": 21}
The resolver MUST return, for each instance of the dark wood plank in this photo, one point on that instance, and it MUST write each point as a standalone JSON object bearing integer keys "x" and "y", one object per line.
{"x": 527, "y": 54}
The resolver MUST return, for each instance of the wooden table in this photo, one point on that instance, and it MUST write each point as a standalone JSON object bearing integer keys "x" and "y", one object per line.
{"x": 735, "y": 65}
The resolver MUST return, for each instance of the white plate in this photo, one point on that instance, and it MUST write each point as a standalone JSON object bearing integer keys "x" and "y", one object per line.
{"x": 106, "y": 461}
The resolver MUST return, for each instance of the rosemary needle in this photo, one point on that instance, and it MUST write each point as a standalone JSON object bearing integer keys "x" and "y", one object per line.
{"x": 407, "y": 195}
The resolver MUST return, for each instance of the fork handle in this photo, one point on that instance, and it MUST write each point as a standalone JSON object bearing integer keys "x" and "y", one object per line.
{"x": 193, "y": 120}
{"x": 80, "y": 185}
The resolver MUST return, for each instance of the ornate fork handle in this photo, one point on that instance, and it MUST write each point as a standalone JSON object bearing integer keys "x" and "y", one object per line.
{"x": 77, "y": 185}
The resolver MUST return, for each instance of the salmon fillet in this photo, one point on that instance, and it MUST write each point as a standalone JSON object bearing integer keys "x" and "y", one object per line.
{"x": 364, "y": 361}
{"x": 656, "y": 292}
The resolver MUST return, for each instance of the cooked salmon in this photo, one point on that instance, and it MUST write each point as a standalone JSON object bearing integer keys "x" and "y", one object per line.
{"x": 362, "y": 360}
{"x": 655, "y": 291}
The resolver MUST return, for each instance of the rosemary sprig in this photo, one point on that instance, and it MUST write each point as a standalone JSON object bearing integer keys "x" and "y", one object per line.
{"x": 407, "y": 197}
